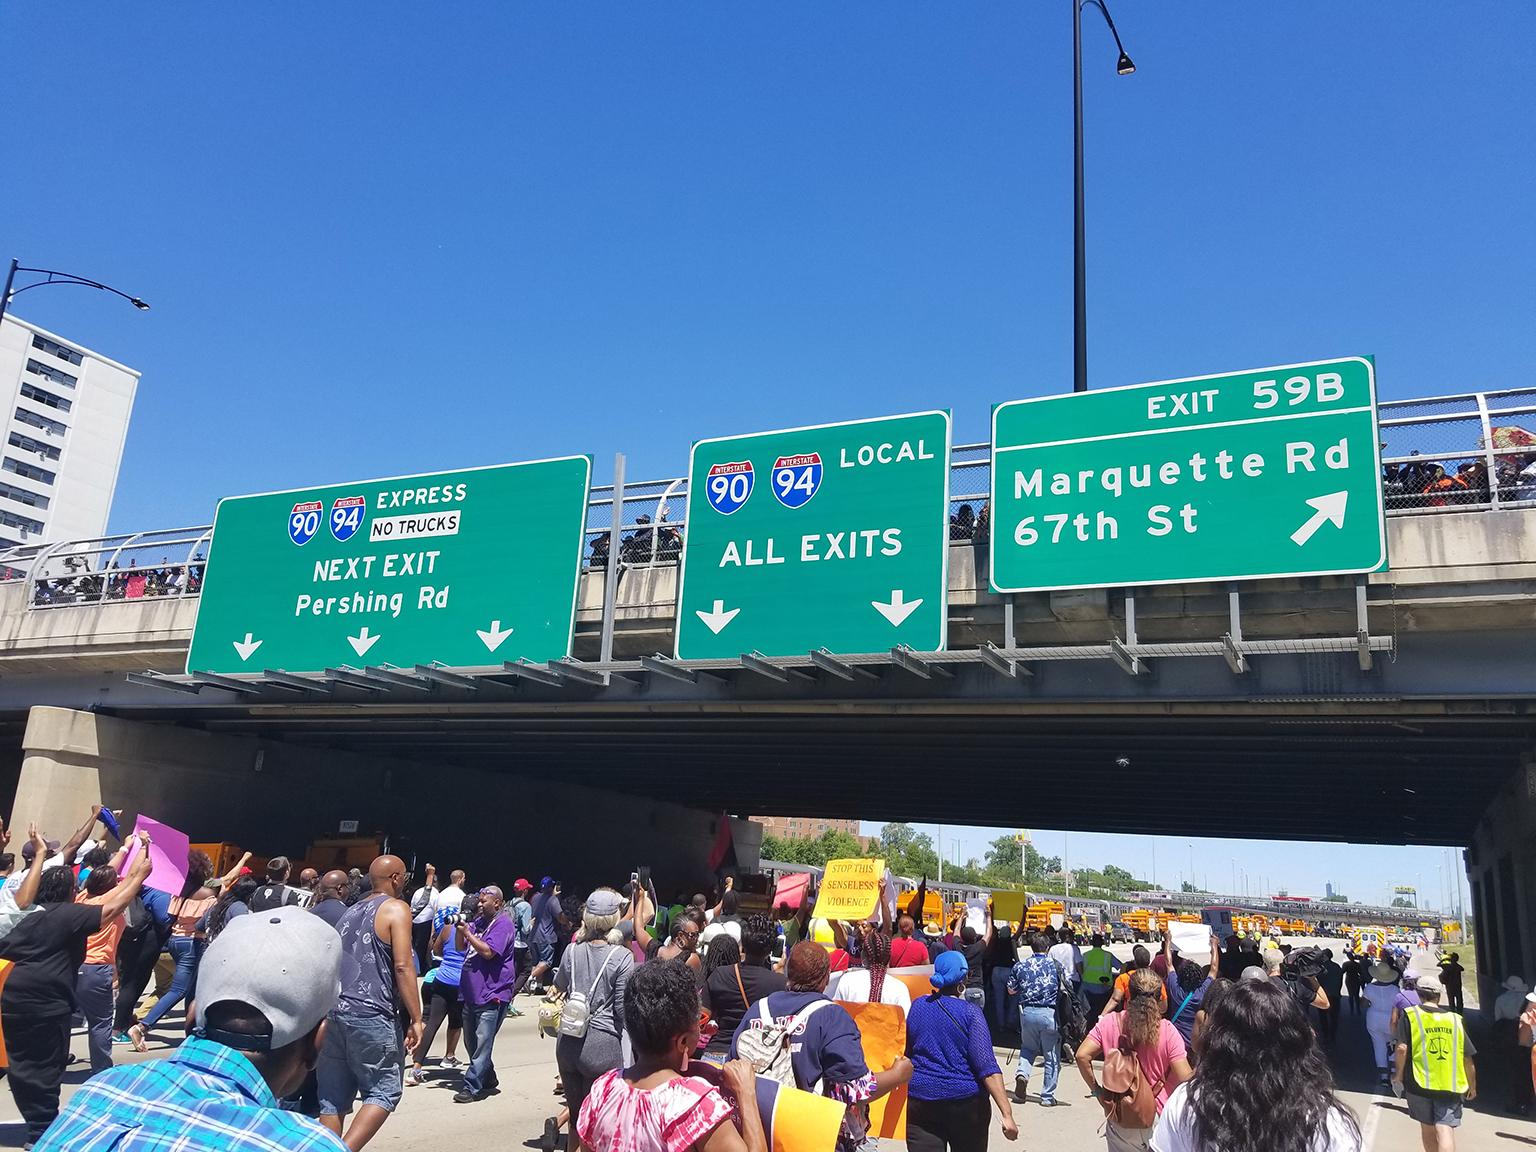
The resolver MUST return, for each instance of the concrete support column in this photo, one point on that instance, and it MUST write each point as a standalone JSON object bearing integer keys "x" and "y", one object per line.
{"x": 1501, "y": 868}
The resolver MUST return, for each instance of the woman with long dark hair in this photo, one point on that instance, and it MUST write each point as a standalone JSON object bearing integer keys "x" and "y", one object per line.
{"x": 236, "y": 901}
{"x": 1157, "y": 1045}
{"x": 1261, "y": 1083}
{"x": 195, "y": 901}
{"x": 869, "y": 984}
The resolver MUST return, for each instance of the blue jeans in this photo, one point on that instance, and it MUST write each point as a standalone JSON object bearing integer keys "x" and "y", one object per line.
{"x": 481, "y": 1023}
{"x": 363, "y": 1055}
{"x": 1038, "y": 1036}
{"x": 185, "y": 951}
{"x": 1000, "y": 1008}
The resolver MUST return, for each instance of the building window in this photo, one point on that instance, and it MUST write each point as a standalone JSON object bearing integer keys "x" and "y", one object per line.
{"x": 27, "y": 444}
{"x": 57, "y": 375}
{"x": 25, "y": 523}
{"x": 38, "y": 420}
{"x": 22, "y": 496}
{"x": 42, "y": 396}
{"x": 54, "y": 348}
{"x": 30, "y": 471}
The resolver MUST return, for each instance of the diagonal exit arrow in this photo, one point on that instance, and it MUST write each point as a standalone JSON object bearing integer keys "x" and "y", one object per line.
{"x": 717, "y": 619}
{"x": 1329, "y": 507}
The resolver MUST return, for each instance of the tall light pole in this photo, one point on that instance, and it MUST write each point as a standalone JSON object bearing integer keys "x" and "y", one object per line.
{"x": 1080, "y": 271}
{"x": 49, "y": 276}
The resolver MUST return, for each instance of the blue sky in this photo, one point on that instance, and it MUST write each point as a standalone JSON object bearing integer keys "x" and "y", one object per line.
{"x": 404, "y": 237}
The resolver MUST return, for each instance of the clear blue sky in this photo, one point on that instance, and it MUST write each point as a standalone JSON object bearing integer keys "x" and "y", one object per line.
{"x": 408, "y": 237}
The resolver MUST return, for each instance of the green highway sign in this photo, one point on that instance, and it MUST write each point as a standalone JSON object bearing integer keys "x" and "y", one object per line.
{"x": 835, "y": 536}
{"x": 1267, "y": 473}
{"x": 471, "y": 567}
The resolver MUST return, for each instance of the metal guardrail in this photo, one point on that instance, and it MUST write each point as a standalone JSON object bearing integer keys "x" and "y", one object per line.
{"x": 1460, "y": 453}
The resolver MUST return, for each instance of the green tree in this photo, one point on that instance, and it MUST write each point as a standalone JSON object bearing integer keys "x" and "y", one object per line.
{"x": 1401, "y": 902}
{"x": 814, "y": 850}
{"x": 908, "y": 852}
{"x": 1336, "y": 898}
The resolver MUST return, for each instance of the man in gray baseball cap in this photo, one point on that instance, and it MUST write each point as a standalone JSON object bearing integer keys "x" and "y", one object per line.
{"x": 264, "y": 989}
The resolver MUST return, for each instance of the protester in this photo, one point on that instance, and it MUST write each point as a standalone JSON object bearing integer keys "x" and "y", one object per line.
{"x": 1260, "y": 1084}
{"x": 1331, "y": 979}
{"x": 521, "y": 912}
{"x": 309, "y": 882}
{"x": 730, "y": 991}
{"x": 98, "y": 969}
{"x": 660, "y": 1103}
{"x": 1185, "y": 987}
{"x": 906, "y": 950}
{"x": 1513, "y": 1043}
{"x": 1379, "y": 996}
{"x": 829, "y": 1052}
{"x": 974, "y": 945}
{"x": 870, "y": 984}
{"x": 1431, "y": 1041}
{"x": 1451, "y": 973}
{"x": 330, "y": 902}
{"x": 954, "y": 1069}
{"x": 1219, "y": 988}
{"x": 1354, "y": 980}
{"x": 1069, "y": 958}
{"x": 1099, "y": 969}
{"x": 275, "y": 892}
{"x": 365, "y": 1045}
{"x": 1002, "y": 955}
{"x": 593, "y": 974}
{"x": 548, "y": 920}
{"x": 490, "y": 971}
{"x": 1140, "y": 958}
{"x": 232, "y": 902}
{"x": 683, "y": 947}
{"x": 185, "y": 944}
{"x": 1035, "y": 980}
{"x": 1407, "y": 997}
{"x": 257, "y": 1036}
{"x": 41, "y": 854}
{"x": 1155, "y": 1043}
{"x": 424, "y": 904}
{"x": 444, "y": 999}
{"x": 38, "y": 1000}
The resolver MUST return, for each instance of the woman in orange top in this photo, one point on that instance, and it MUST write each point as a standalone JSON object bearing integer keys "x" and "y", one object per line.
{"x": 186, "y": 946}
{"x": 1140, "y": 958}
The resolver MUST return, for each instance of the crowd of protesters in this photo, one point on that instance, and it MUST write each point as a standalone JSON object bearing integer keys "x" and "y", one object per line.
{"x": 312, "y": 1001}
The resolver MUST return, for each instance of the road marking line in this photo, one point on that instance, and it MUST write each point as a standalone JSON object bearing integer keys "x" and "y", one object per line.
{"x": 1368, "y": 1129}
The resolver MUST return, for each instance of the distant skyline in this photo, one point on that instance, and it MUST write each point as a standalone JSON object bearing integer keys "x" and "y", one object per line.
{"x": 1363, "y": 872}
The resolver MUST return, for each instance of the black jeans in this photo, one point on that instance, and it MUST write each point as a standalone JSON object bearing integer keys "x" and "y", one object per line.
{"x": 959, "y": 1125}
{"x": 136, "y": 958}
{"x": 38, "y": 1047}
{"x": 421, "y": 942}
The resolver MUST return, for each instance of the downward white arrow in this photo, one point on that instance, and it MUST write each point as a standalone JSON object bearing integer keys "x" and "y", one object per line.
{"x": 898, "y": 609}
{"x": 492, "y": 638}
{"x": 1329, "y": 507}
{"x": 362, "y": 641}
{"x": 719, "y": 618}
{"x": 247, "y": 649}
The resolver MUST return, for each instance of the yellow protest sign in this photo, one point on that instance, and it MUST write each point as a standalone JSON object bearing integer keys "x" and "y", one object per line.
{"x": 850, "y": 889}
{"x": 1008, "y": 906}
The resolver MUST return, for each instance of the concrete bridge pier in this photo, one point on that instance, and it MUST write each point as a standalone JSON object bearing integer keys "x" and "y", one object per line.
{"x": 1501, "y": 870}
{"x": 274, "y": 797}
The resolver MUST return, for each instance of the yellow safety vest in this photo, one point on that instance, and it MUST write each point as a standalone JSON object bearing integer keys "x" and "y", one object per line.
{"x": 1437, "y": 1050}
{"x": 1098, "y": 966}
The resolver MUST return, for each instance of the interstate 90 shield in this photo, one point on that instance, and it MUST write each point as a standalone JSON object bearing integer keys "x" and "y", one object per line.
{"x": 728, "y": 486}
{"x": 796, "y": 479}
{"x": 304, "y": 521}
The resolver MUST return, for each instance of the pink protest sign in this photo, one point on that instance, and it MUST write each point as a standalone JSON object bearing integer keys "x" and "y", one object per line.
{"x": 167, "y": 855}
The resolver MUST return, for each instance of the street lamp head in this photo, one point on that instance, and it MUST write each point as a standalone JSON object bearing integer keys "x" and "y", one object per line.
{"x": 139, "y": 304}
{"x": 1125, "y": 67}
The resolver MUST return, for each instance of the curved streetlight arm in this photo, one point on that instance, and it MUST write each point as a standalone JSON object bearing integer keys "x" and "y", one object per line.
{"x": 1103, "y": 11}
{"x": 53, "y": 276}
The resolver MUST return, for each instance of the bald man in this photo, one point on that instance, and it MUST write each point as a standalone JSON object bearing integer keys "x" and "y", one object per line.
{"x": 364, "y": 1050}
{"x": 331, "y": 896}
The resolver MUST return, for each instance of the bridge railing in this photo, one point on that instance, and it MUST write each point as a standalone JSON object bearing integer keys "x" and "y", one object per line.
{"x": 1456, "y": 453}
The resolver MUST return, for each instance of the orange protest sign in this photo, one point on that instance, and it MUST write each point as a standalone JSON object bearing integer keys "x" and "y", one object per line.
{"x": 918, "y": 978}
{"x": 850, "y": 889}
{"x": 883, "y": 1033}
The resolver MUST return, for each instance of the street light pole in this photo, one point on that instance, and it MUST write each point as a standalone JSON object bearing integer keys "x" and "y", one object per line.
{"x": 50, "y": 276}
{"x": 1080, "y": 267}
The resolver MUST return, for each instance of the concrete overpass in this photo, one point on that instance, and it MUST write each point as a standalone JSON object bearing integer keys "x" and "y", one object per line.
{"x": 1392, "y": 709}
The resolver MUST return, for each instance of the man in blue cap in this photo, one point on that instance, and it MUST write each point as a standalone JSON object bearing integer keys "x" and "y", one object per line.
{"x": 548, "y": 920}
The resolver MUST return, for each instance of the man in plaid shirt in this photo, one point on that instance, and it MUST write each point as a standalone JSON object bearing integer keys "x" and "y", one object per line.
{"x": 264, "y": 989}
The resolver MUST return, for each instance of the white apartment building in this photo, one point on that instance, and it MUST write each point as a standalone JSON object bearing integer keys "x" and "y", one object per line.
{"x": 64, "y": 410}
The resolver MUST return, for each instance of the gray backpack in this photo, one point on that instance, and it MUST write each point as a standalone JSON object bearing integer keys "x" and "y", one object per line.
{"x": 766, "y": 1045}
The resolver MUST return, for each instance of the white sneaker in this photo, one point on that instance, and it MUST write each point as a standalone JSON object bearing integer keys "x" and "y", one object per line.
{"x": 451, "y": 1062}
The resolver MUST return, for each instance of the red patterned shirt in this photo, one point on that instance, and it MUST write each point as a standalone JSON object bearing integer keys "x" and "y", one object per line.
{"x": 672, "y": 1117}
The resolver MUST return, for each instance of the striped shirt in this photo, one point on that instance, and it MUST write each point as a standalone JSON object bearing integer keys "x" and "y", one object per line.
{"x": 205, "y": 1098}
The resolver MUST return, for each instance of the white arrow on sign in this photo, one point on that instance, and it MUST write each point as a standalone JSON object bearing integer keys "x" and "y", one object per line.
{"x": 1329, "y": 507}
{"x": 719, "y": 618}
{"x": 492, "y": 638}
{"x": 362, "y": 641}
{"x": 247, "y": 647}
{"x": 898, "y": 609}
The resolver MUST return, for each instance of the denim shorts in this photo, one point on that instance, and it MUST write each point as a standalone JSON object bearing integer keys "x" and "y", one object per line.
{"x": 543, "y": 952}
{"x": 1428, "y": 1110}
{"x": 362, "y": 1056}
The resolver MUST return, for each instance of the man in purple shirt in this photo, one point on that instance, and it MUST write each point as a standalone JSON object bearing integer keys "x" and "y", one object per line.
{"x": 490, "y": 974}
